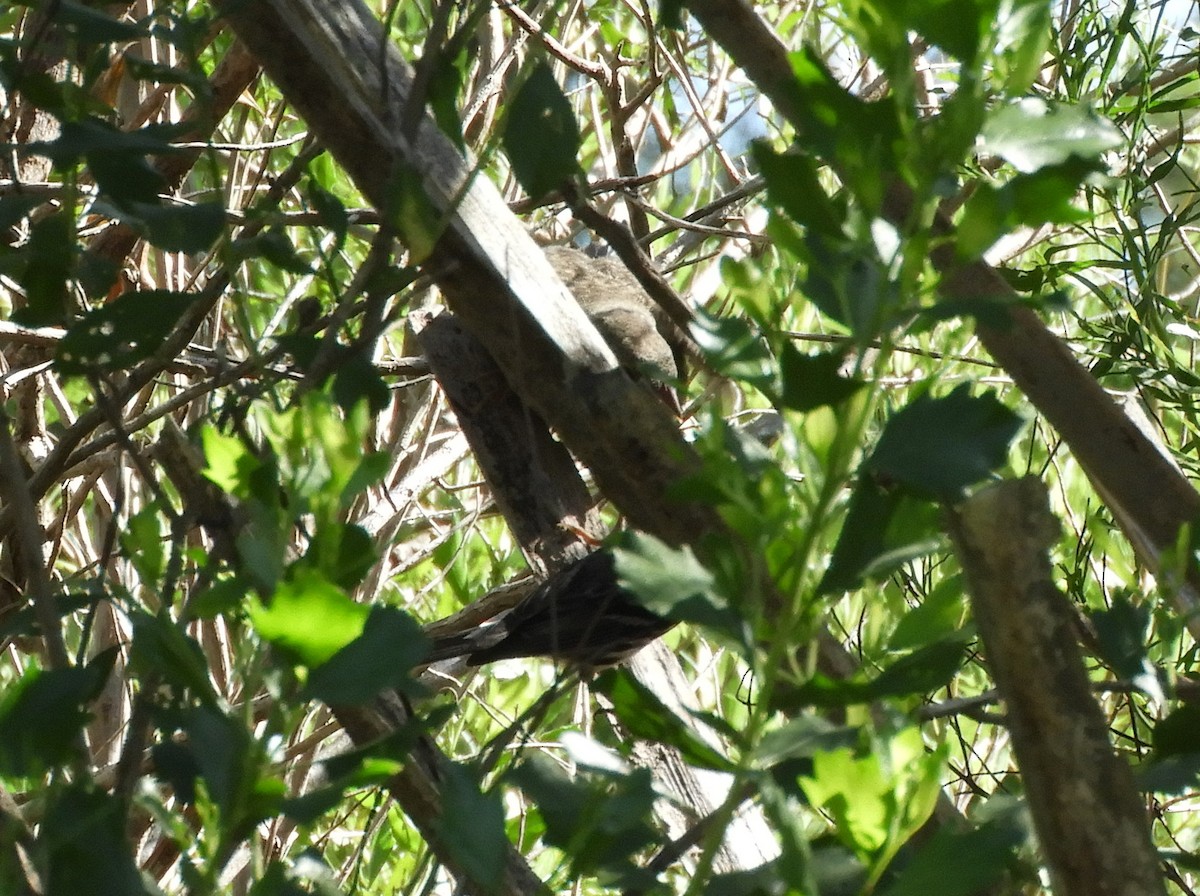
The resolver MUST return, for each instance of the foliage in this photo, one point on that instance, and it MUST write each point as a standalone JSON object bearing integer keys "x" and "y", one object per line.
{"x": 171, "y": 666}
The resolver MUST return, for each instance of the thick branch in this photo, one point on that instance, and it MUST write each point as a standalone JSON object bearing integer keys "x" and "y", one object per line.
{"x": 326, "y": 59}
{"x": 1090, "y": 821}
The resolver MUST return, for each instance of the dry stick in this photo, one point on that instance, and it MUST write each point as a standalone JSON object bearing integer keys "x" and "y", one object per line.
{"x": 64, "y": 455}
{"x": 1090, "y": 820}
{"x": 233, "y": 75}
{"x": 30, "y": 544}
{"x": 1149, "y": 498}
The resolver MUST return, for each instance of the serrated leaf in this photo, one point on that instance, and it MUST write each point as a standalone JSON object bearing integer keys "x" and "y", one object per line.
{"x": 734, "y": 349}
{"x": 50, "y": 256}
{"x": 1178, "y": 733}
{"x": 358, "y": 379}
{"x": 309, "y": 617}
{"x": 93, "y": 26}
{"x": 793, "y": 186}
{"x": 83, "y": 846}
{"x": 960, "y": 863}
{"x": 330, "y": 210}
{"x": 883, "y": 529}
{"x": 123, "y": 332}
{"x": 42, "y": 715}
{"x": 813, "y": 381}
{"x": 390, "y": 645}
{"x": 541, "y": 135}
{"x": 936, "y": 447}
{"x": 924, "y": 670}
{"x": 163, "y": 653}
{"x": 78, "y": 139}
{"x": 1123, "y": 630}
{"x": 190, "y": 229}
{"x": 472, "y": 825}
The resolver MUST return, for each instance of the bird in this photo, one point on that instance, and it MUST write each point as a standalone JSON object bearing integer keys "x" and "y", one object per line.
{"x": 580, "y": 616}
{"x": 622, "y": 312}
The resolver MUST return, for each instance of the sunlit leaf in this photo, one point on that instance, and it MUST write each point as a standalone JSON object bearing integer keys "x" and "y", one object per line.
{"x": 1033, "y": 133}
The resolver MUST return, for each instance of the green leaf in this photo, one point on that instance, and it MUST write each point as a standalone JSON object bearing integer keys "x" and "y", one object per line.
{"x": 126, "y": 177}
{"x": 800, "y": 738}
{"x": 391, "y": 643}
{"x": 355, "y": 554}
{"x": 961, "y": 863}
{"x": 877, "y": 800}
{"x": 275, "y": 247}
{"x": 16, "y": 208}
{"x": 145, "y": 70}
{"x": 118, "y": 335}
{"x": 1177, "y": 774}
{"x": 190, "y": 229}
{"x": 734, "y": 349}
{"x": 1042, "y": 197}
{"x": 1022, "y": 32}
{"x": 83, "y": 846}
{"x": 921, "y": 672}
{"x": 229, "y": 462}
{"x": 648, "y": 718}
{"x": 765, "y": 880}
{"x": 936, "y": 447}
{"x": 43, "y": 713}
{"x": 223, "y": 596}
{"x": 143, "y": 541}
{"x": 1178, "y": 733}
{"x": 309, "y": 617}
{"x": 331, "y": 211}
{"x": 541, "y": 136}
{"x": 860, "y": 137}
{"x": 670, "y": 14}
{"x": 793, "y": 185}
{"x": 940, "y": 615}
{"x": 358, "y": 379}
{"x": 78, "y": 139}
{"x": 600, "y": 821}
{"x": 24, "y": 621}
{"x": 663, "y": 577}
{"x": 91, "y": 26}
{"x": 849, "y": 284}
{"x": 472, "y": 825}
{"x": 1123, "y": 631}
{"x": 50, "y": 258}
{"x": 162, "y": 652}
{"x": 413, "y": 213}
{"x": 1031, "y": 134}
{"x": 218, "y": 750}
{"x": 445, "y": 88}
{"x": 673, "y": 583}
{"x": 813, "y": 381}
{"x": 884, "y": 528}
{"x": 856, "y": 793}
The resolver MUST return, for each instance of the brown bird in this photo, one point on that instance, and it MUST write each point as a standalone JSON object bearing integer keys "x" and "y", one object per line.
{"x": 622, "y": 311}
{"x": 580, "y": 616}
